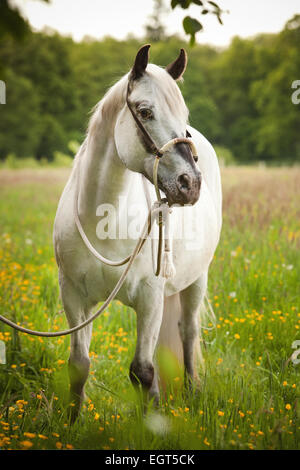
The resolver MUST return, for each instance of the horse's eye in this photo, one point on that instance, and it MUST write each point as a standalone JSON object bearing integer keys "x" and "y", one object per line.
{"x": 145, "y": 113}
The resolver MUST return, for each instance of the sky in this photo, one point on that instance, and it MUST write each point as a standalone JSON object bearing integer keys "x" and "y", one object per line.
{"x": 118, "y": 18}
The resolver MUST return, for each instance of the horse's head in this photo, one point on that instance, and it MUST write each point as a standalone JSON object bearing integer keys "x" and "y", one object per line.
{"x": 155, "y": 112}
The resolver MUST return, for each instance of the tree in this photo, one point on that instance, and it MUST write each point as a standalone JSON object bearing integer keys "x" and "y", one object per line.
{"x": 11, "y": 21}
{"x": 239, "y": 98}
{"x": 41, "y": 63}
{"x": 231, "y": 77}
{"x": 20, "y": 128}
{"x": 155, "y": 30}
{"x": 52, "y": 138}
{"x": 278, "y": 120}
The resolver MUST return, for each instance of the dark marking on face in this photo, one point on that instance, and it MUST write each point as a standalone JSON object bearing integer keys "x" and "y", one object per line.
{"x": 142, "y": 139}
{"x": 185, "y": 152}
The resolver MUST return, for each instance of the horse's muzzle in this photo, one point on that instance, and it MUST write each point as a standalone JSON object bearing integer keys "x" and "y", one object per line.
{"x": 186, "y": 189}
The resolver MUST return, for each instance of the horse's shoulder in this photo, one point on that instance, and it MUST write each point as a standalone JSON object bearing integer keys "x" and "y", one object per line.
{"x": 202, "y": 144}
{"x": 209, "y": 165}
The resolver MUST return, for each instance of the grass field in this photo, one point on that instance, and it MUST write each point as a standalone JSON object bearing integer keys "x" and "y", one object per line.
{"x": 250, "y": 388}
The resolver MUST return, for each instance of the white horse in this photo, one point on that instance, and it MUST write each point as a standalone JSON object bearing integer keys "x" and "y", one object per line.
{"x": 113, "y": 161}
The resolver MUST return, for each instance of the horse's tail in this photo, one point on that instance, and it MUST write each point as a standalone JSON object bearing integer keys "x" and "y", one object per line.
{"x": 170, "y": 350}
{"x": 169, "y": 341}
{"x": 169, "y": 337}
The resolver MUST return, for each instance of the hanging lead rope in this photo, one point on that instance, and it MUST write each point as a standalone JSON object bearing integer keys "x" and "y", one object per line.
{"x": 146, "y": 230}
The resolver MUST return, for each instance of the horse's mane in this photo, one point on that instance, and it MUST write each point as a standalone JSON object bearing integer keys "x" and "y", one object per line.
{"x": 109, "y": 105}
{"x": 114, "y": 99}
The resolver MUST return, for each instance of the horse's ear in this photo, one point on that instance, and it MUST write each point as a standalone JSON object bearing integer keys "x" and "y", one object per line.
{"x": 177, "y": 68}
{"x": 141, "y": 62}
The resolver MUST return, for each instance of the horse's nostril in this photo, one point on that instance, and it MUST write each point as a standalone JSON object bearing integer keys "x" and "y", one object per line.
{"x": 184, "y": 182}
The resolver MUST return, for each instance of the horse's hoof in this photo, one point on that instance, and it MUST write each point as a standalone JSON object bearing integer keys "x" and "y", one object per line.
{"x": 74, "y": 407}
{"x": 154, "y": 399}
{"x": 73, "y": 413}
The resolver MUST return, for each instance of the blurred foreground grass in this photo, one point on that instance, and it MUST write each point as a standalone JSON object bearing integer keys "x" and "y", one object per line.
{"x": 249, "y": 396}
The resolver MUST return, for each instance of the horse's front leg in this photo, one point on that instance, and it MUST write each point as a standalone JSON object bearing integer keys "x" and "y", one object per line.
{"x": 149, "y": 309}
{"x": 191, "y": 301}
{"x": 79, "y": 361}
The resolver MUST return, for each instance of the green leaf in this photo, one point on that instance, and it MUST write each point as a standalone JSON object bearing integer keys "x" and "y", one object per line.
{"x": 191, "y": 25}
{"x": 184, "y": 3}
{"x": 198, "y": 2}
{"x": 174, "y": 3}
{"x": 204, "y": 12}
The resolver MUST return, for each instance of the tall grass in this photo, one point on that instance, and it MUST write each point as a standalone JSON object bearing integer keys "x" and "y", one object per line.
{"x": 249, "y": 394}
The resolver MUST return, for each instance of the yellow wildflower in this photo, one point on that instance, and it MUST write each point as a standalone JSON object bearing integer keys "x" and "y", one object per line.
{"x": 26, "y": 444}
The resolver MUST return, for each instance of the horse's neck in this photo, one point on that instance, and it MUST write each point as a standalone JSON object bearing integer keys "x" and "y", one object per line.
{"x": 102, "y": 174}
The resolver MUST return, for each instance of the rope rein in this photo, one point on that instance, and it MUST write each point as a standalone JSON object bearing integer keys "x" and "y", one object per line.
{"x": 114, "y": 292}
{"x": 160, "y": 210}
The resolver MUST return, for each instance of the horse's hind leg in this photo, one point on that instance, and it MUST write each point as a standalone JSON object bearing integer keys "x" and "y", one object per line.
{"x": 79, "y": 362}
{"x": 191, "y": 299}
